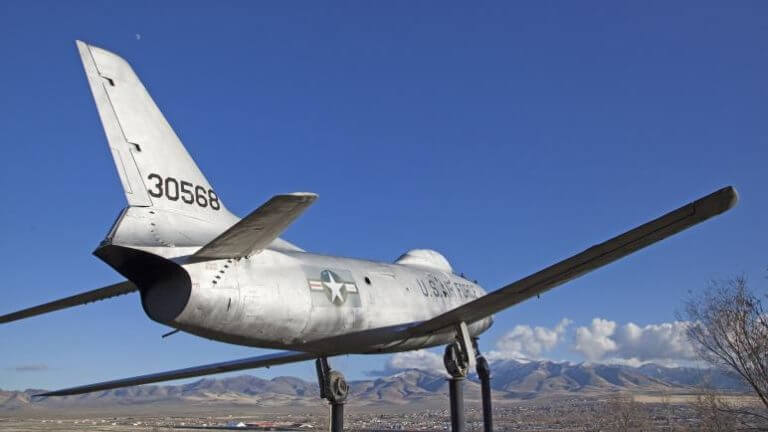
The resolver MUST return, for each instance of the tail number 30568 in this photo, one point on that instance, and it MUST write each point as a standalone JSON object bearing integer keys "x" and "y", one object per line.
{"x": 174, "y": 189}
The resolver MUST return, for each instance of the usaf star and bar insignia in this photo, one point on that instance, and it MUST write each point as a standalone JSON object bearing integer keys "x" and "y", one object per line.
{"x": 332, "y": 288}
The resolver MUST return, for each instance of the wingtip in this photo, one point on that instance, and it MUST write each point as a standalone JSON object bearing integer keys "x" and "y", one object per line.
{"x": 733, "y": 196}
{"x": 717, "y": 202}
{"x": 728, "y": 197}
{"x": 305, "y": 195}
{"x": 66, "y": 392}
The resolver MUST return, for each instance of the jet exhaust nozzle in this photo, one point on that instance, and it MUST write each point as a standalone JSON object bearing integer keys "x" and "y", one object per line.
{"x": 165, "y": 286}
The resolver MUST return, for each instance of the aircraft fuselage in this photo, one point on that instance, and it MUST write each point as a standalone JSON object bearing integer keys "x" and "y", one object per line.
{"x": 285, "y": 299}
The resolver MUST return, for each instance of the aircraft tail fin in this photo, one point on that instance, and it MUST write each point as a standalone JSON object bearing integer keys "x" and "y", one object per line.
{"x": 152, "y": 163}
{"x": 170, "y": 201}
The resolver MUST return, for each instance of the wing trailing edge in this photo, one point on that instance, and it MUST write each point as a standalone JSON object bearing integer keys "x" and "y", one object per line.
{"x": 75, "y": 300}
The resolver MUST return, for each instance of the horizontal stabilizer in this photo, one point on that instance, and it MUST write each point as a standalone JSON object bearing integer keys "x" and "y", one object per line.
{"x": 257, "y": 230}
{"x": 75, "y": 300}
{"x": 273, "y": 359}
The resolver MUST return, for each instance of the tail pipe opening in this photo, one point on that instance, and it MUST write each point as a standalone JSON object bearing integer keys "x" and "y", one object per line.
{"x": 164, "y": 285}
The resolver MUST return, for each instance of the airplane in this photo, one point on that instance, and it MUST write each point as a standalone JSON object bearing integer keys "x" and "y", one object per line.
{"x": 202, "y": 270}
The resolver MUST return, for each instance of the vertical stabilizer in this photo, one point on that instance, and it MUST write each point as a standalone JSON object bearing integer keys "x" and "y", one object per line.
{"x": 170, "y": 202}
{"x": 154, "y": 167}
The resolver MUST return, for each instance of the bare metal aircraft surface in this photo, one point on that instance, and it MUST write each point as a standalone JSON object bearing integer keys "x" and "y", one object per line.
{"x": 202, "y": 270}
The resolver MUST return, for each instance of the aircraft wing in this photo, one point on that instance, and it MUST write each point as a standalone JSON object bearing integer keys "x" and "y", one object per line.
{"x": 548, "y": 278}
{"x": 267, "y": 360}
{"x": 257, "y": 230}
{"x": 75, "y": 300}
{"x": 586, "y": 261}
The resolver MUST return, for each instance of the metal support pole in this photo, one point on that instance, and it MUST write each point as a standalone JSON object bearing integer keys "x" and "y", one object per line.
{"x": 337, "y": 417}
{"x": 484, "y": 373}
{"x": 333, "y": 388}
{"x": 456, "y": 392}
{"x": 457, "y": 360}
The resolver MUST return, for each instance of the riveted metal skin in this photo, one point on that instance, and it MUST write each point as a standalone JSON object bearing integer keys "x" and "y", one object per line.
{"x": 280, "y": 299}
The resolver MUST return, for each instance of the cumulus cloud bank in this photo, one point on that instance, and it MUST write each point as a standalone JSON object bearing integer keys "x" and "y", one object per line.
{"x": 633, "y": 344}
{"x": 421, "y": 359}
{"x": 602, "y": 340}
{"x": 524, "y": 342}
{"x": 595, "y": 341}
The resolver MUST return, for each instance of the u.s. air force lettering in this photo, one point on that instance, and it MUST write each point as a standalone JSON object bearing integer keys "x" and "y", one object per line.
{"x": 333, "y": 288}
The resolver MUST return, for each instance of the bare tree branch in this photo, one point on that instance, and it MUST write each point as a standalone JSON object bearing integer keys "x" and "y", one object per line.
{"x": 728, "y": 327}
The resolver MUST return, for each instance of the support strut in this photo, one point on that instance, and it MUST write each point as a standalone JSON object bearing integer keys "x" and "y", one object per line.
{"x": 484, "y": 373}
{"x": 456, "y": 364}
{"x": 456, "y": 394}
{"x": 337, "y": 417}
{"x": 334, "y": 389}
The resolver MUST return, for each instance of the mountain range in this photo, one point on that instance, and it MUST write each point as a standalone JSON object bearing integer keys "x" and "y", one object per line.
{"x": 511, "y": 380}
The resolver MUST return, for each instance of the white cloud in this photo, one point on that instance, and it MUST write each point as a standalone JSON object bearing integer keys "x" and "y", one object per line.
{"x": 603, "y": 341}
{"x": 630, "y": 343}
{"x": 635, "y": 362}
{"x": 654, "y": 341}
{"x": 524, "y": 342}
{"x": 595, "y": 341}
{"x": 421, "y": 359}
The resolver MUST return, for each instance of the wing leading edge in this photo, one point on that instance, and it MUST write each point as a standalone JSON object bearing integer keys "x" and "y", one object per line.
{"x": 267, "y": 360}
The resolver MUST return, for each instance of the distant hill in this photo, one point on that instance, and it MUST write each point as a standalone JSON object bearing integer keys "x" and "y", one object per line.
{"x": 510, "y": 380}
{"x": 533, "y": 379}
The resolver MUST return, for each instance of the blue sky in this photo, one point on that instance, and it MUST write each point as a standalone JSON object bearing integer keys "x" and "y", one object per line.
{"x": 507, "y": 135}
